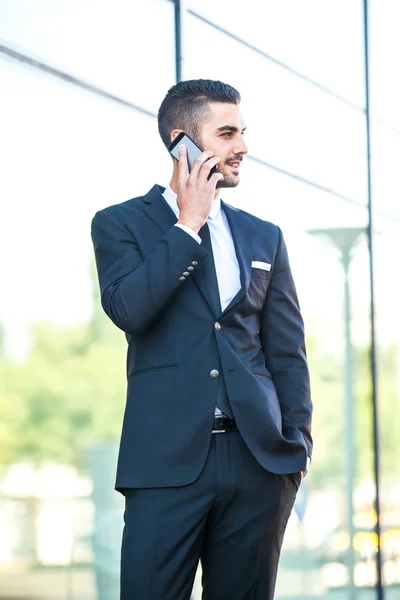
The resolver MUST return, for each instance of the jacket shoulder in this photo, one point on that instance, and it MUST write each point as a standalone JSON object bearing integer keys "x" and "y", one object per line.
{"x": 133, "y": 205}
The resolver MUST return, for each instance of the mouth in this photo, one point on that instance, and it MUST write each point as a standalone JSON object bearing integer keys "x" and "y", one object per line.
{"x": 234, "y": 165}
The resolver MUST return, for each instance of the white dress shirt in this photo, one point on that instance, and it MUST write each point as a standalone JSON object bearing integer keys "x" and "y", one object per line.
{"x": 226, "y": 263}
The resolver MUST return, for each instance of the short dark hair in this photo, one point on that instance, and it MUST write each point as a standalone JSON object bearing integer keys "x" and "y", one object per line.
{"x": 186, "y": 106}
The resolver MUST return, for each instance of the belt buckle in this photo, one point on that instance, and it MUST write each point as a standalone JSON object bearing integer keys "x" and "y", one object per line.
{"x": 220, "y": 419}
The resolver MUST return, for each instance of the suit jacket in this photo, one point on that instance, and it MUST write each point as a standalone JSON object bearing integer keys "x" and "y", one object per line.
{"x": 173, "y": 345}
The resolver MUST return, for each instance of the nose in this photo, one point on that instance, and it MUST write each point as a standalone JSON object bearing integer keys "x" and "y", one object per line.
{"x": 240, "y": 147}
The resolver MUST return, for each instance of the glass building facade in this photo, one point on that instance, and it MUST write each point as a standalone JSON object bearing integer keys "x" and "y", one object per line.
{"x": 81, "y": 83}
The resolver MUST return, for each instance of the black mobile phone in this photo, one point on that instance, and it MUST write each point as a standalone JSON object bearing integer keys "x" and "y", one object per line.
{"x": 192, "y": 150}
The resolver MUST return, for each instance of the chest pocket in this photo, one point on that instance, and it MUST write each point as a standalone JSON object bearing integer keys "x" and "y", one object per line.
{"x": 257, "y": 292}
{"x": 260, "y": 273}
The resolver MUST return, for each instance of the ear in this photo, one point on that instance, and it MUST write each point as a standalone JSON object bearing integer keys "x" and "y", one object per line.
{"x": 175, "y": 133}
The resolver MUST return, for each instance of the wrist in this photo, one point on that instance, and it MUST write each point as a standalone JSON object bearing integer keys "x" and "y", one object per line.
{"x": 194, "y": 224}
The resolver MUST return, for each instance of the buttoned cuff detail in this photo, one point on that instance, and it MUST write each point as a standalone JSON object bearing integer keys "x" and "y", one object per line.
{"x": 189, "y": 231}
{"x": 189, "y": 270}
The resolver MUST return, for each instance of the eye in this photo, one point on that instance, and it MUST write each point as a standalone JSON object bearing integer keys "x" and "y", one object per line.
{"x": 227, "y": 134}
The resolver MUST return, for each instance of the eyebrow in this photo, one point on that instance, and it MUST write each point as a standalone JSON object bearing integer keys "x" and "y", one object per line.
{"x": 230, "y": 128}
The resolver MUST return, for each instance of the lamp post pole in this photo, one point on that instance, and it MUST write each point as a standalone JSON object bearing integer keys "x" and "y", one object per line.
{"x": 349, "y": 426}
{"x": 345, "y": 239}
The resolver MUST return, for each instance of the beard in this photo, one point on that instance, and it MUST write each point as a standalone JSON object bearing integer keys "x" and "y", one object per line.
{"x": 229, "y": 181}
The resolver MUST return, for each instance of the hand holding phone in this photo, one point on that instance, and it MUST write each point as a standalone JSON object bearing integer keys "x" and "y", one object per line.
{"x": 193, "y": 151}
{"x": 197, "y": 181}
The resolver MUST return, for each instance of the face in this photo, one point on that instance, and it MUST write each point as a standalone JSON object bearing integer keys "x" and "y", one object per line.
{"x": 223, "y": 134}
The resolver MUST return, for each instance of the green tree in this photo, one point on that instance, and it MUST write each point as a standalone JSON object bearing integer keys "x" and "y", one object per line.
{"x": 68, "y": 393}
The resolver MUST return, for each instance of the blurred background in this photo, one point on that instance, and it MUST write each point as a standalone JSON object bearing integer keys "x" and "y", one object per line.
{"x": 81, "y": 82}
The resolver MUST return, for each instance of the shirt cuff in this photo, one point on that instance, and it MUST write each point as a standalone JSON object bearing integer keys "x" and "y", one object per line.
{"x": 308, "y": 466}
{"x": 189, "y": 231}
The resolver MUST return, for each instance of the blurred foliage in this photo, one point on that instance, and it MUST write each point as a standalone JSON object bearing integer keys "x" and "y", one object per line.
{"x": 70, "y": 392}
{"x": 329, "y": 417}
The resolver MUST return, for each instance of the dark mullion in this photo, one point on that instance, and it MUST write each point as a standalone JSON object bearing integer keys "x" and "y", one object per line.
{"x": 178, "y": 40}
{"x": 373, "y": 360}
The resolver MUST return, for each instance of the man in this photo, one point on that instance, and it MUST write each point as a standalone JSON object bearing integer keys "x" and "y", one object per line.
{"x": 216, "y": 430}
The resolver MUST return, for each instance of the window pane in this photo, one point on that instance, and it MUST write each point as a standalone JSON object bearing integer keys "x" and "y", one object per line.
{"x": 290, "y": 123}
{"x": 297, "y": 128}
{"x": 107, "y": 44}
{"x": 386, "y": 188}
{"x": 65, "y": 153}
{"x": 322, "y": 40}
{"x": 385, "y": 101}
{"x": 384, "y": 60}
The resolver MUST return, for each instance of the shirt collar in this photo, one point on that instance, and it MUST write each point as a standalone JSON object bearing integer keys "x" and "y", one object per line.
{"x": 171, "y": 198}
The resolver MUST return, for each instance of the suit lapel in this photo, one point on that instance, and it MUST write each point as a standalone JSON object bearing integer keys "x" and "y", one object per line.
{"x": 205, "y": 275}
{"x": 242, "y": 235}
{"x": 159, "y": 211}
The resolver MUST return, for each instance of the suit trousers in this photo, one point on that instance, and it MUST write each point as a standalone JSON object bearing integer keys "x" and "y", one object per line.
{"x": 232, "y": 518}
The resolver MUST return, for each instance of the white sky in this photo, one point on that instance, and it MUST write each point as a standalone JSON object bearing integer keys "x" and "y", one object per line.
{"x": 66, "y": 153}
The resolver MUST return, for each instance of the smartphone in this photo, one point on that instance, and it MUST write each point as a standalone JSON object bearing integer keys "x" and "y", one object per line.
{"x": 192, "y": 150}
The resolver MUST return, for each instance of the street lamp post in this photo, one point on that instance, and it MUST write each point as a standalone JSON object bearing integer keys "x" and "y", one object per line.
{"x": 345, "y": 239}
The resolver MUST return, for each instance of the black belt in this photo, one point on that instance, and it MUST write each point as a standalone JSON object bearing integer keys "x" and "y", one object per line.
{"x": 223, "y": 423}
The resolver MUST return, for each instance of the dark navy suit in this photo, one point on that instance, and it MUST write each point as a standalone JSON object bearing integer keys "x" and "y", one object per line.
{"x": 173, "y": 345}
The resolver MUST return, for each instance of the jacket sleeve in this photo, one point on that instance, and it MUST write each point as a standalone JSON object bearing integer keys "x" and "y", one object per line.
{"x": 282, "y": 340}
{"x": 135, "y": 290}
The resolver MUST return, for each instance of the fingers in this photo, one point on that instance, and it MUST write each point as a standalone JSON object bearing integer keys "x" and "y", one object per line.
{"x": 206, "y": 167}
{"x": 200, "y": 171}
{"x": 183, "y": 165}
{"x": 199, "y": 162}
{"x": 215, "y": 178}
{"x": 204, "y": 174}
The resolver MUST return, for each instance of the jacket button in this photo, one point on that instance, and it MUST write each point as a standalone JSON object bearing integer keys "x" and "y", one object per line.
{"x": 182, "y": 278}
{"x": 194, "y": 263}
{"x": 186, "y": 274}
{"x": 218, "y": 326}
{"x": 214, "y": 374}
{"x": 190, "y": 269}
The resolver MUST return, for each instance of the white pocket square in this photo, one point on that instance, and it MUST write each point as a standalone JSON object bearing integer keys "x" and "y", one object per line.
{"x": 257, "y": 264}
